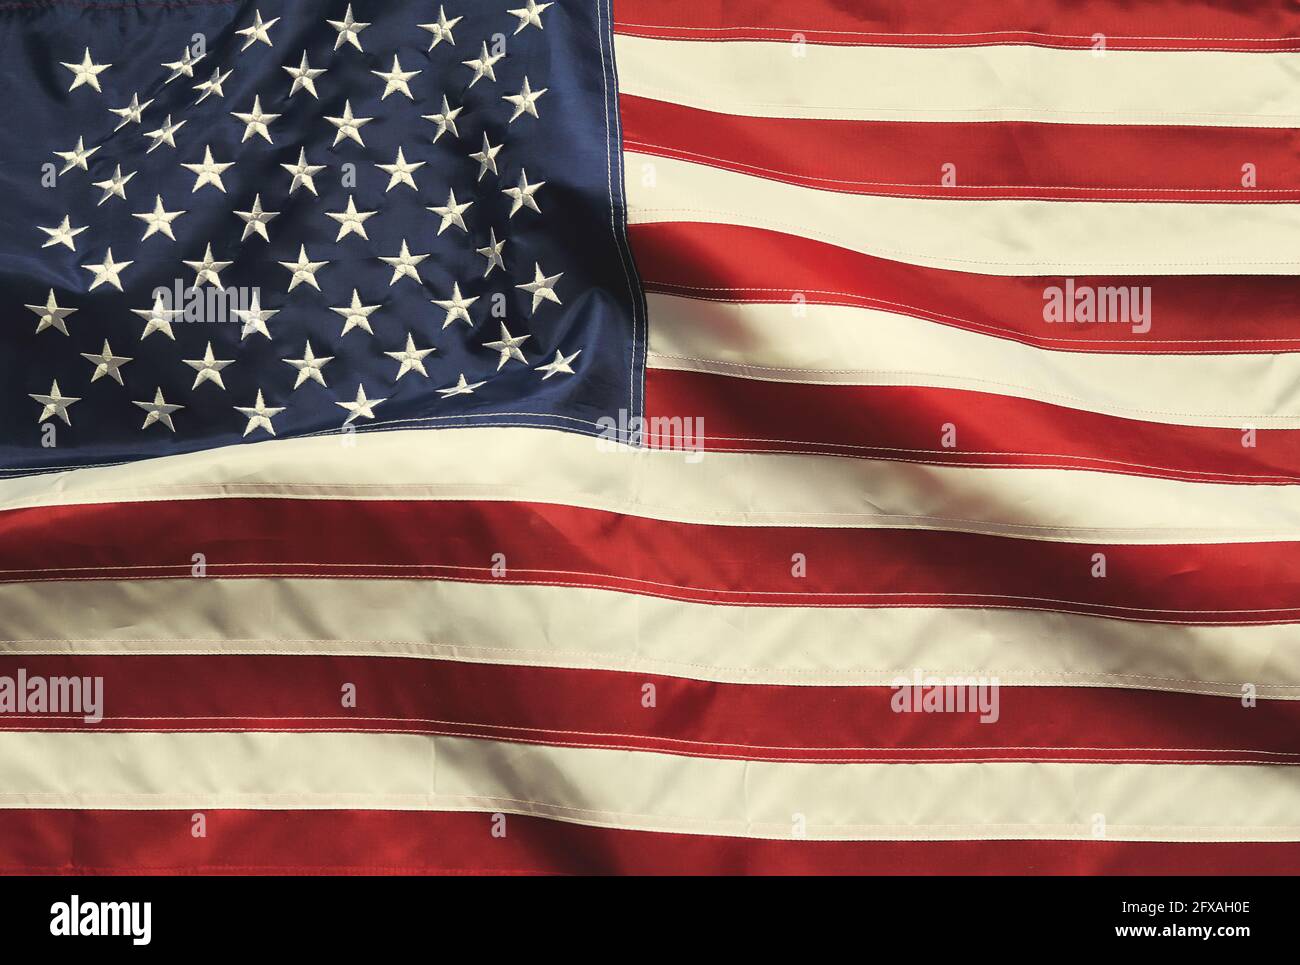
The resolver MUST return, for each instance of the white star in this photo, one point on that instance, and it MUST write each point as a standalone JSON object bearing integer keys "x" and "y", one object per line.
{"x": 446, "y": 120}
{"x": 508, "y": 346}
{"x": 304, "y": 77}
{"x": 258, "y": 31}
{"x": 304, "y": 271}
{"x": 51, "y": 315}
{"x": 106, "y": 363}
{"x": 77, "y": 157}
{"x": 525, "y": 101}
{"x": 87, "y": 72}
{"x": 396, "y": 80}
{"x": 442, "y": 29}
{"x": 56, "y": 404}
{"x": 158, "y": 318}
{"x": 460, "y": 388}
{"x": 208, "y": 269}
{"x": 62, "y": 234}
{"x": 183, "y": 67}
{"x": 348, "y": 30}
{"x": 212, "y": 85}
{"x": 131, "y": 113}
{"x": 164, "y": 135}
{"x": 492, "y": 252}
{"x": 529, "y": 15}
{"x": 303, "y": 172}
{"x": 159, "y": 410}
{"x": 362, "y": 407}
{"x": 259, "y": 415}
{"x": 351, "y": 221}
{"x": 452, "y": 213}
{"x": 255, "y": 221}
{"x": 400, "y": 171}
{"x": 411, "y": 358}
{"x": 522, "y": 194}
{"x": 542, "y": 287}
{"x": 561, "y": 365}
{"x": 404, "y": 263}
{"x": 487, "y": 158}
{"x": 482, "y": 65}
{"x": 208, "y": 172}
{"x": 309, "y": 366}
{"x": 159, "y": 219}
{"x": 356, "y": 315}
{"x": 256, "y": 122}
{"x": 349, "y": 126}
{"x": 456, "y": 306}
{"x": 107, "y": 271}
{"x": 208, "y": 369}
{"x": 114, "y": 186}
{"x": 255, "y": 317}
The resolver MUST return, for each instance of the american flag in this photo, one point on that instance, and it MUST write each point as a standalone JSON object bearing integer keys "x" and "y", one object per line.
{"x": 649, "y": 436}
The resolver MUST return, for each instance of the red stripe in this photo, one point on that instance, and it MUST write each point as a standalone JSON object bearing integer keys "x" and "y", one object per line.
{"x": 1009, "y": 160}
{"x": 416, "y": 842}
{"x": 559, "y": 545}
{"x": 600, "y": 708}
{"x": 1150, "y": 25}
{"x": 905, "y": 422}
{"x": 1190, "y": 314}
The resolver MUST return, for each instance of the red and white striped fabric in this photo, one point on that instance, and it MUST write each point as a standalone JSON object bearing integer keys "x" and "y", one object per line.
{"x": 845, "y": 217}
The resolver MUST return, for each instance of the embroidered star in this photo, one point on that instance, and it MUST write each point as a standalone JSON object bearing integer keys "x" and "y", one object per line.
{"x": 159, "y": 410}
{"x": 256, "y": 122}
{"x": 362, "y": 408}
{"x": 456, "y": 306}
{"x": 508, "y": 346}
{"x": 51, "y": 315}
{"x": 207, "y": 270}
{"x": 258, "y": 31}
{"x": 309, "y": 366}
{"x": 158, "y": 318}
{"x": 255, "y": 221}
{"x": 62, "y": 234}
{"x": 164, "y": 135}
{"x": 482, "y": 65}
{"x": 212, "y": 85}
{"x": 208, "y": 172}
{"x": 404, "y": 263}
{"x": 183, "y": 67}
{"x": 348, "y": 29}
{"x": 304, "y": 271}
{"x": 357, "y": 315}
{"x": 452, "y": 213}
{"x": 76, "y": 158}
{"x": 304, "y": 77}
{"x": 351, "y": 221}
{"x": 106, "y": 363}
{"x": 411, "y": 358}
{"x": 208, "y": 368}
{"x": 131, "y": 113}
{"x": 446, "y": 120}
{"x": 259, "y": 415}
{"x": 561, "y": 365}
{"x": 441, "y": 30}
{"x": 303, "y": 172}
{"x": 487, "y": 158}
{"x": 400, "y": 171}
{"x": 542, "y": 287}
{"x": 529, "y": 15}
{"x": 159, "y": 220}
{"x": 56, "y": 404}
{"x": 114, "y": 187}
{"x": 460, "y": 388}
{"x": 255, "y": 317}
{"x": 87, "y": 72}
{"x": 522, "y": 194}
{"x": 525, "y": 101}
{"x": 349, "y": 126}
{"x": 492, "y": 252}
{"x": 107, "y": 271}
{"x": 396, "y": 80}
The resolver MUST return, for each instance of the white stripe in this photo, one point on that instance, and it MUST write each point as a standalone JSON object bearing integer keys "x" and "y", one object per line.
{"x": 554, "y": 627}
{"x": 986, "y": 237}
{"x": 994, "y": 83}
{"x": 649, "y": 791}
{"x": 836, "y": 344}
